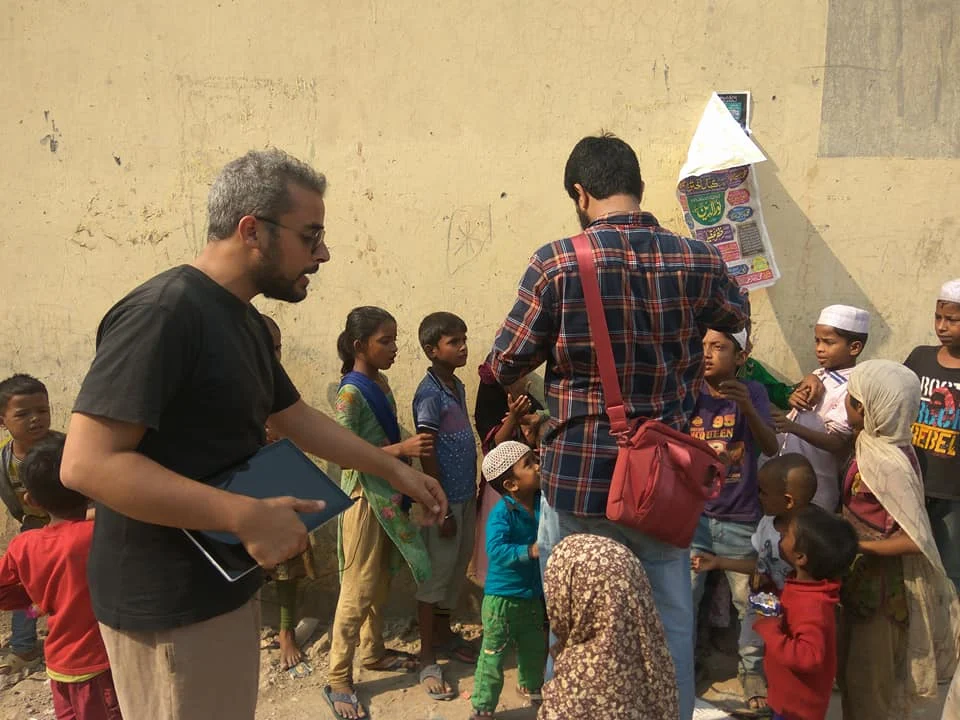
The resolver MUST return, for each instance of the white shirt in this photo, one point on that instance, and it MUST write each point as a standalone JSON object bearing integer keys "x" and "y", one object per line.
{"x": 766, "y": 542}
{"x": 829, "y": 416}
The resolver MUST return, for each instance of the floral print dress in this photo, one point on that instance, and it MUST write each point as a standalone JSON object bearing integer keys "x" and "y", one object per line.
{"x": 353, "y": 413}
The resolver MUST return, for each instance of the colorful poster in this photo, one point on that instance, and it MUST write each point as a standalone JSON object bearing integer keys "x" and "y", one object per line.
{"x": 718, "y": 192}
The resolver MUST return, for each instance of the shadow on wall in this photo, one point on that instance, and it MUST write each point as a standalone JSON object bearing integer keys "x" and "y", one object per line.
{"x": 812, "y": 276}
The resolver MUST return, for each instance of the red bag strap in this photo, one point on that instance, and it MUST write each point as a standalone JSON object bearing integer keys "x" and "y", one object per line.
{"x": 600, "y": 334}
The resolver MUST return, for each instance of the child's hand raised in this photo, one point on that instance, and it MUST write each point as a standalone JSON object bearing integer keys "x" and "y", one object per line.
{"x": 807, "y": 394}
{"x": 417, "y": 446}
{"x": 703, "y": 563}
{"x": 736, "y": 391}
{"x": 518, "y": 406}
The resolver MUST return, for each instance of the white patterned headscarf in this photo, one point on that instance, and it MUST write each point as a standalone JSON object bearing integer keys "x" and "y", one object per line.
{"x": 890, "y": 395}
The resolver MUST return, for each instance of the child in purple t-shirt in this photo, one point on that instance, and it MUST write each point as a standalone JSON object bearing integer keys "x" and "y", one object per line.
{"x": 733, "y": 417}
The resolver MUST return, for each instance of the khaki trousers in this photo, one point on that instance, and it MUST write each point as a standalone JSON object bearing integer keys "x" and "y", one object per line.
{"x": 205, "y": 671}
{"x": 364, "y": 589}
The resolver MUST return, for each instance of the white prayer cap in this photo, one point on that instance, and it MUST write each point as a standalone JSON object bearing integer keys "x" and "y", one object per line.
{"x": 503, "y": 457}
{"x": 845, "y": 317}
{"x": 741, "y": 338}
{"x": 950, "y": 292}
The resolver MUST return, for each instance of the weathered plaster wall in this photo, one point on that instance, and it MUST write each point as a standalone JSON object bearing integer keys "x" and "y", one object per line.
{"x": 443, "y": 129}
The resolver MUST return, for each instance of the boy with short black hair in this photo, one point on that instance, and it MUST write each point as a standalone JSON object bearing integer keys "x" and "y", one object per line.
{"x": 823, "y": 435}
{"x": 936, "y": 432}
{"x": 513, "y": 610}
{"x": 440, "y": 409}
{"x": 47, "y": 567}
{"x": 733, "y": 417}
{"x": 25, "y": 413}
{"x": 801, "y": 644}
{"x": 786, "y": 484}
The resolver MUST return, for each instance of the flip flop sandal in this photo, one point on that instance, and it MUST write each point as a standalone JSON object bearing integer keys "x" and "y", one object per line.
{"x": 433, "y": 672}
{"x": 14, "y": 668}
{"x": 301, "y": 670}
{"x": 534, "y": 696}
{"x": 346, "y": 698}
{"x": 395, "y": 661}
{"x": 459, "y": 649}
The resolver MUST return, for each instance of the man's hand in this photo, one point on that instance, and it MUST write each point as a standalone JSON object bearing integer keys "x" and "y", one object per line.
{"x": 704, "y": 563}
{"x": 422, "y": 489}
{"x": 534, "y": 552}
{"x": 417, "y": 446}
{"x": 781, "y": 422}
{"x": 271, "y": 531}
{"x": 807, "y": 394}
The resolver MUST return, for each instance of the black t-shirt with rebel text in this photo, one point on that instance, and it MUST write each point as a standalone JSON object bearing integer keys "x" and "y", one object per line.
{"x": 194, "y": 364}
{"x": 936, "y": 432}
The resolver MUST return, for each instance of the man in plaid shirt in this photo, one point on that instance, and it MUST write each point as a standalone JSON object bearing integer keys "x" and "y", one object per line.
{"x": 660, "y": 293}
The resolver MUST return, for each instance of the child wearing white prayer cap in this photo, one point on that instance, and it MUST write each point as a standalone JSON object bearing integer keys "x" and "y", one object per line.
{"x": 823, "y": 435}
{"x": 936, "y": 432}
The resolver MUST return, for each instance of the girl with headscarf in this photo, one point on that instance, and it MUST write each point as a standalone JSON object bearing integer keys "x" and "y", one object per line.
{"x": 501, "y": 414}
{"x": 898, "y": 635}
{"x": 611, "y": 658}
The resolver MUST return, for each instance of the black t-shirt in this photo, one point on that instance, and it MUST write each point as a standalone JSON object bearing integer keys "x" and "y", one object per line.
{"x": 194, "y": 364}
{"x": 936, "y": 433}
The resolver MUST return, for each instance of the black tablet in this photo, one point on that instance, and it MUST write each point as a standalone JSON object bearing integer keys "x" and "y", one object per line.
{"x": 277, "y": 470}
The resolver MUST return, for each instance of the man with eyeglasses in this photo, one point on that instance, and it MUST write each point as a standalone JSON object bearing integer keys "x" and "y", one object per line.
{"x": 183, "y": 383}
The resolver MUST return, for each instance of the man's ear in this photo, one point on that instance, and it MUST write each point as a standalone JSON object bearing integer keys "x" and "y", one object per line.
{"x": 510, "y": 484}
{"x": 430, "y": 350}
{"x": 801, "y": 559}
{"x": 28, "y": 500}
{"x": 856, "y": 347}
{"x": 583, "y": 197}
{"x": 791, "y": 503}
{"x": 247, "y": 227}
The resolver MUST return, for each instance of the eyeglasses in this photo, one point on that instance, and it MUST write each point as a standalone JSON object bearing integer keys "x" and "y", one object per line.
{"x": 312, "y": 240}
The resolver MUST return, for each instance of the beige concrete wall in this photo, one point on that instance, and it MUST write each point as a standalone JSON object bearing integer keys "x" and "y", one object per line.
{"x": 443, "y": 129}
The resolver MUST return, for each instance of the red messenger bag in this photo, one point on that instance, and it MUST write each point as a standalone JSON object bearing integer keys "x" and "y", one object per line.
{"x": 662, "y": 477}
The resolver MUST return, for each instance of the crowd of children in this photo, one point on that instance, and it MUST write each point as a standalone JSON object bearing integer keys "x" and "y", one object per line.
{"x": 857, "y": 511}
{"x": 840, "y": 498}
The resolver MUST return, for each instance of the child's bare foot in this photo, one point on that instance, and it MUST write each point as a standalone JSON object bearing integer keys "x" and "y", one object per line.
{"x": 344, "y": 702}
{"x": 290, "y": 655}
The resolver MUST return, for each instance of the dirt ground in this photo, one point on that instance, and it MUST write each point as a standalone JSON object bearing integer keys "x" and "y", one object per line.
{"x": 388, "y": 696}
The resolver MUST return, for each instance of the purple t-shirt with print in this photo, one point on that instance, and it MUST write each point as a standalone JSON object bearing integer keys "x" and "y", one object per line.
{"x": 721, "y": 425}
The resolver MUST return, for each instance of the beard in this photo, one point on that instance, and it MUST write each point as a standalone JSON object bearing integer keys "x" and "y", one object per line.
{"x": 271, "y": 281}
{"x": 582, "y": 217}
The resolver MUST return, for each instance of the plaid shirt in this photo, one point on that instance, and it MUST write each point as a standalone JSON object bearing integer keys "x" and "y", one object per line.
{"x": 660, "y": 292}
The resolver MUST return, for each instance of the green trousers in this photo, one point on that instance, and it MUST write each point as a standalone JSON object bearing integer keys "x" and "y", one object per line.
{"x": 509, "y": 622}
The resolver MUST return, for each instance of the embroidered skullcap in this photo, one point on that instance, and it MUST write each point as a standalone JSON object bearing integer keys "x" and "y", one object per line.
{"x": 845, "y": 317}
{"x": 950, "y": 292}
{"x": 503, "y": 457}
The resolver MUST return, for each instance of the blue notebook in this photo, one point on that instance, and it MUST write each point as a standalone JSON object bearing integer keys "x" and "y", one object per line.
{"x": 276, "y": 470}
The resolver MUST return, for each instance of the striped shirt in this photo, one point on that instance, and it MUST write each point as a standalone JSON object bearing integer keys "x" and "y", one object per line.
{"x": 660, "y": 293}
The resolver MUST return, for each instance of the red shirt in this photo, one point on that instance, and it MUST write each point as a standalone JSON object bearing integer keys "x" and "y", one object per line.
{"x": 800, "y": 657}
{"x": 48, "y": 568}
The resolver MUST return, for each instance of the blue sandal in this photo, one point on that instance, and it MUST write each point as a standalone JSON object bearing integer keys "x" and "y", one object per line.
{"x": 433, "y": 672}
{"x": 346, "y": 698}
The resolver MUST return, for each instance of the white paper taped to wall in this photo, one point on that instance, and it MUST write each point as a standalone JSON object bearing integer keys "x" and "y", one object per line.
{"x": 720, "y": 197}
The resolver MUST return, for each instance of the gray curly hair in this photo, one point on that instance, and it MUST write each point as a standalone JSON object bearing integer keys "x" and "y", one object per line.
{"x": 256, "y": 184}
